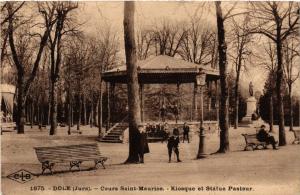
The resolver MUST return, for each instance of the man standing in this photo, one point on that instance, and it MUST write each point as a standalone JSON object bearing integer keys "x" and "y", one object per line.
{"x": 144, "y": 148}
{"x": 173, "y": 143}
{"x": 186, "y": 130}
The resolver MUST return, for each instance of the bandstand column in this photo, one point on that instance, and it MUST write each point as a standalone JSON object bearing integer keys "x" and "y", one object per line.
{"x": 217, "y": 99}
{"x": 209, "y": 96}
{"x": 178, "y": 100}
{"x": 194, "y": 106}
{"x": 108, "y": 106}
{"x": 208, "y": 101}
{"x": 142, "y": 101}
{"x": 112, "y": 113}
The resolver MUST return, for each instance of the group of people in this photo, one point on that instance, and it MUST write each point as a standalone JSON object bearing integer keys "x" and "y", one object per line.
{"x": 157, "y": 130}
{"x": 173, "y": 140}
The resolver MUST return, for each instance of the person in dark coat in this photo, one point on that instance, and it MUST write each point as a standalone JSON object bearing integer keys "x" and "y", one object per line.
{"x": 186, "y": 130}
{"x": 144, "y": 147}
{"x": 264, "y": 136}
{"x": 173, "y": 143}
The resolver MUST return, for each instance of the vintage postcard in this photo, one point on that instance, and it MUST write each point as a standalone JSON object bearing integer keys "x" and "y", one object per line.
{"x": 150, "y": 97}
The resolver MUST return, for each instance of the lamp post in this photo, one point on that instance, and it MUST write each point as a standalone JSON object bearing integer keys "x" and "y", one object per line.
{"x": 200, "y": 81}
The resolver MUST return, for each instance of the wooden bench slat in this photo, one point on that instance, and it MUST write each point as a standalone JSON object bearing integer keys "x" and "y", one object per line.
{"x": 70, "y": 146}
{"x": 71, "y": 159}
{"x": 69, "y": 156}
{"x": 70, "y": 153}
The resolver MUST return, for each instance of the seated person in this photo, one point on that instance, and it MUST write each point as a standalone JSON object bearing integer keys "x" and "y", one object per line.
{"x": 158, "y": 128}
{"x": 152, "y": 128}
{"x": 264, "y": 136}
{"x": 148, "y": 128}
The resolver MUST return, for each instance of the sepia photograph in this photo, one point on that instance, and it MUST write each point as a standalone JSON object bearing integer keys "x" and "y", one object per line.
{"x": 150, "y": 97}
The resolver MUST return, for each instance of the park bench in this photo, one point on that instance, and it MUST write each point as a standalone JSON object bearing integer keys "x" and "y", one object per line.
{"x": 7, "y": 127}
{"x": 297, "y": 137}
{"x": 73, "y": 154}
{"x": 252, "y": 142}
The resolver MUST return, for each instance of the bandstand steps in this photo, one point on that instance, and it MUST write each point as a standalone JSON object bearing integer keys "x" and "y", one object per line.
{"x": 115, "y": 134}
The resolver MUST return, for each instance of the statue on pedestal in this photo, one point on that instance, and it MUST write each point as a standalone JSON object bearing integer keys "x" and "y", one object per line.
{"x": 251, "y": 107}
{"x": 251, "y": 89}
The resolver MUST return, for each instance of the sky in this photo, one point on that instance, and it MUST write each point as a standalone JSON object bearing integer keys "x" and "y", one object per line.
{"x": 101, "y": 14}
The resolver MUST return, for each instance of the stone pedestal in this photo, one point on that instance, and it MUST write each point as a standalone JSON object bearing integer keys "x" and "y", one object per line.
{"x": 251, "y": 108}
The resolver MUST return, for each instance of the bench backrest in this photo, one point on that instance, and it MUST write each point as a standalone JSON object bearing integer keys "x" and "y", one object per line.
{"x": 56, "y": 154}
{"x": 297, "y": 133}
{"x": 250, "y": 138}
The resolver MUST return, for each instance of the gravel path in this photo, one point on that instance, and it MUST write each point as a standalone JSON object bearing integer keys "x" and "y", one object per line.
{"x": 238, "y": 172}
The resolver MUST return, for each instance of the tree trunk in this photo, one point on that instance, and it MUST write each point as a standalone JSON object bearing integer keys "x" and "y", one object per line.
{"x": 236, "y": 99}
{"x": 20, "y": 117}
{"x": 224, "y": 134}
{"x": 92, "y": 114}
{"x": 40, "y": 113}
{"x": 271, "y": 113}
{"x": 84, "y": 110}
{"x": 291, "y": 108}
{"x": 100, "y": 111}
{"x": 27, "y": 114}
{"x": 79, "y": 112}
{"x": 31, "y": 114}
{"x": 49, "y": 111}
{"x": 53, "y": 107}
{"x": 282, "y": 138}
{"x": 72, "y": 114}
{"x": 69, "y": 112}
{"x": 134, "y": 111}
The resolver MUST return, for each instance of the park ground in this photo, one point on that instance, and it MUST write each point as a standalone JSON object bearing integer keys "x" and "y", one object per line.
{"x": 257, "y": 172}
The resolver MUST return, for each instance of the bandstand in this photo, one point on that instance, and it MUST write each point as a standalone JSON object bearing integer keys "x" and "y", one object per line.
{"x": 168, "y": 70}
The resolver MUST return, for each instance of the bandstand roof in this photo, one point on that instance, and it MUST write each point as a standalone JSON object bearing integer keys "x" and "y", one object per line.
{"x": 163, "y": 69}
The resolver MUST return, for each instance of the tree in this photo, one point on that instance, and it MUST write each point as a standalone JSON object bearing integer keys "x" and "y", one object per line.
{"x": 198, "y": 43}
{"x": 270, "y": 65}
{"x": 132, "y": 85}
{"x": 145, "y": 41}
{"x": 62, "y": 10}
{"x": 106, "y": 51}
{"x": 25, "y": 38}
{"x": 291, "y": 74}
{"x": 4, "y": 21}
{"x": 168, "y": 38}
{"x": 276, "y": 21}
{"x": 241, "y": 53}
{"x": 222, "y": 48}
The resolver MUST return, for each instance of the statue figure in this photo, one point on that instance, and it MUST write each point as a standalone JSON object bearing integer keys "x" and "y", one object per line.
{"x": 251, "y": 89}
